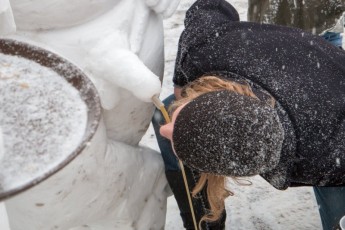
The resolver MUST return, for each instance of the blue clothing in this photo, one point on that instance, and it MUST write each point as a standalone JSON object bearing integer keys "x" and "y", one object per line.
{"x": 168, "y": 155}
{"x": 334, "y": 38}
{"x": 331, "y": 202}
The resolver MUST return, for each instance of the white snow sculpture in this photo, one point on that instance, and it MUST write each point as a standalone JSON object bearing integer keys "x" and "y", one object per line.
{"x": 2, "y": 151}
{"x": 113, "y": 183}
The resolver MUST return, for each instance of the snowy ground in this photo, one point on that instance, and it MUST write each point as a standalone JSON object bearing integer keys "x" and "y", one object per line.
{"x": 258, "y": 206}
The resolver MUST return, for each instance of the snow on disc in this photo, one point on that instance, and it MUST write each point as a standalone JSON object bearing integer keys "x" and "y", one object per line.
{"x": 42, "y": 119}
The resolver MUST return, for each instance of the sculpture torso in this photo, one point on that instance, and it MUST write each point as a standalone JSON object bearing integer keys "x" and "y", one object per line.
{"x": 119, "y": 45}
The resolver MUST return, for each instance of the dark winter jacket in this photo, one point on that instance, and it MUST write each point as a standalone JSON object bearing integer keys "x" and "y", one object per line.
{"x": 304, "y": 74}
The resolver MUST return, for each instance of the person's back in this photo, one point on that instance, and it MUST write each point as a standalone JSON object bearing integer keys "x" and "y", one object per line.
{"x": 302, "y": 72}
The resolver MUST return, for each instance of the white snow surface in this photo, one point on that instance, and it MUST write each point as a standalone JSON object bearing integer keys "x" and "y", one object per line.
{"x": 258, "y": 206}
{"x": 2, "y": 151}
{"x": 38, "y": 106}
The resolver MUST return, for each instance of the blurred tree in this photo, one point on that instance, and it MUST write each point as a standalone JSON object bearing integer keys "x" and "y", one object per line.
{"x": 311, "y": 15}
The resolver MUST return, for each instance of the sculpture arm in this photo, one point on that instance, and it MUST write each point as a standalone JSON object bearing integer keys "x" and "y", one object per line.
{"x": 124, "y": 69}
{"x": 163, "y": 7}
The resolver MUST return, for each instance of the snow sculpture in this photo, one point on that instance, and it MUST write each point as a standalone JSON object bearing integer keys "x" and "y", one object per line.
{"x": 114, "y": 183}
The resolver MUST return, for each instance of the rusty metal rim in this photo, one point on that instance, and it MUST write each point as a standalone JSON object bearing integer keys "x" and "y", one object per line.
{"x": 74, "y": 76}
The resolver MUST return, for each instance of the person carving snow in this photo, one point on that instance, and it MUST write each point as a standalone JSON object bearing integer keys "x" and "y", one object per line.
{"x": 255, "y": 99}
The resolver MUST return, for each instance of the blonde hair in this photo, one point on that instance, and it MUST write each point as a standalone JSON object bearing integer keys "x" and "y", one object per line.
{"x": 207, "y": 84}
{"x": 217, "y": 191}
